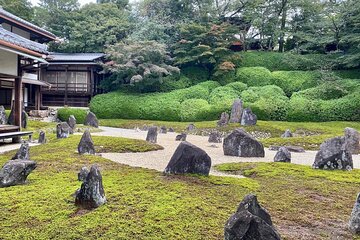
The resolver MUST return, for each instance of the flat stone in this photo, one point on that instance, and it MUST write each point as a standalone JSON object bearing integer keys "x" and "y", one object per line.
{"x": 152, "y": 134}
{"x": 91, "y": 120}
{"x": 91, "y": 194}
{"x": 189, "y": 159}
{"x": 86, "y": 144}
{"x": 283, "y": 155}
{"x": 236, "y": 111}
{"x": 290, "y": 148}
{"x": 39, "y": 113}
{"x": 250, "y": 222}
{"x": 15, "y": 172}
{"x": 23, "y": 153}
{"x": 240, "y": 143}
{"x": 248, "y": 118}
{"x": 181, "y": 137}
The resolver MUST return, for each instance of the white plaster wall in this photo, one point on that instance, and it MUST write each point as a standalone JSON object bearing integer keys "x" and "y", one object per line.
{"x": 8, "y": 63}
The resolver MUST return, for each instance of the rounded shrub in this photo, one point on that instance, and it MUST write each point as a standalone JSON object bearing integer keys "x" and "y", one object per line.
{"x": 270, "y": 108}
{"x": 79, "y": 114}
{"x": 254, "y": 76}
{"x": 325, "y": 91}
{"x": 194, "y": 110}
{"x": 252, "y": 94}
{"x": 223, "y": 96}
{"x": 210, "y": 85}
{"x": 238, "y": 86}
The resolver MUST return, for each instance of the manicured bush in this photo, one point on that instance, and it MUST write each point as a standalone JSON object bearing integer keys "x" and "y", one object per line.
{"x": 171, "y": 83}
{"x": 254, "y": 76}
{"x": 194, "y": 109}
{"x": 223, "y": 96}
{"x": 210, "y": 85}
{"x": 349, "y": 73}
{"x": 79, "y": 114}
{"x": 252, "y": 94}
{"x": 237, "y": 86}
{"x": 294, "y": 81}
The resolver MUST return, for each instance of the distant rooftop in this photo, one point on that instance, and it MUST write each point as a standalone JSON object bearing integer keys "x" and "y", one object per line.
{"x": 21, "y": 41}
{"x": 74, "y": 57}
{"x": 12, "y": 18}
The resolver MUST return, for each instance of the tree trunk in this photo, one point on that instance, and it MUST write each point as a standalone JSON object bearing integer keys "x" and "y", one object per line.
{"x": 282, "y": 26}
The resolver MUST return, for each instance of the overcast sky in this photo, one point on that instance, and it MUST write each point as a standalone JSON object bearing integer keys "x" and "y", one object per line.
{"x": 82, "y": 2}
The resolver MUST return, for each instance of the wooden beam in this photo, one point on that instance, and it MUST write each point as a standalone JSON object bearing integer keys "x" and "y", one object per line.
{"x": 92, "y": 82}
{"x": 66, "y": 86}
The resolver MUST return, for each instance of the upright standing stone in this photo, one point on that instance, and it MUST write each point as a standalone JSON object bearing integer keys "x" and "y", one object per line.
{"x": 191, "y": 127}
{"x": 224, "y": 119}
{"x": 72, "y": 123}
{"x": 333, "y": 155}
{"x": 63, "y": 130}
{"x": 24, "y": 119}
{"x": 171, "y": 129}
{"x": 82, "y": 175}
{"x": 15, "y": 172}
{"x": 240, "y": 143}
{"x": 163, "y": 130}
{"x": 283, "y": 155}
{"x": 352, "y": 140}
{"x": 181, "y": 137}
{"x": 3, "y": 119}
{"x": 250, "y": 222}
{"x": 91, "y": 193}
{"x": 215, "y": 137}
{"x": 23, "y": 153}
{"x": 354, "y": 222}
{"x": 248, "y": 118}
{"x": 287, "y": 134}
{"x": 91, "y": 120}
{"x": 152, "y": 134}
{"x": 189, "y": 159}
{"x": 86, "y": 144}
{"x": 236, "y": 111}
{"x": 42, "y": 137}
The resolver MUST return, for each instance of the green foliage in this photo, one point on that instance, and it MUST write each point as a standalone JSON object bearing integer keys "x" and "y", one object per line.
{"x": 238, "y": 86}
{"x": 20, "y": 8}
{"x": 195, "y": 73}
{"x": 349, "y": 73}
{"x": 79, "y": 114}
{"x": 194, "y": 109}
{"x": 254, "y": 76}
{"x": 223, "y": 96}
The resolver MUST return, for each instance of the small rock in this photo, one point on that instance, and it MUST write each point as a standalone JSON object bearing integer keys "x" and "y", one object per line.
{"x": 250, "y": 222}
{"x": 290, "y": 148}
{"x": 189, "y": 159}
{"x": 145, "y": 128}
{"x": 86, "y": 144}
{"x": 240, "y": 143}
{"x": 215, "y": 137}
{"x": 287, "y": 134}
{"x": 3, "y": 119}
{"x": 236, "y": 111}
{"x": 91, "y": 194}
{"x": 224, "y": 119}
{"x": 352, "y": 140}
{"x": 83, "y": 174}
{"x": 15, "y": 172}
{"x": 354, "y": 222}
{"x": 181, "y": 137}
{"x": 283, "y": 155}
{"x": 72, "y": 123}
{"x": 163, "y": 130}
{"x": 248, "y": 118}
{"x": 191, "y": 127}
{"x": 91, "y": 120}
{"x": 333, "y": 155}
{"x": 42, "y": 137}
{"x": 152, "y": 134}
{"x": 39, "y": 113}
{"x": 24, "y": 119}
{"x": 23, "y": 153}
{"x": 171, "y": 129}
{"x": 63, "y": 130}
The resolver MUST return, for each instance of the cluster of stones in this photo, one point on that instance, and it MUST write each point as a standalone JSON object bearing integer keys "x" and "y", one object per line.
{"x": 238, "y": 115}
{"x": 16, "y": 171}
{"x": 64, "y": 129}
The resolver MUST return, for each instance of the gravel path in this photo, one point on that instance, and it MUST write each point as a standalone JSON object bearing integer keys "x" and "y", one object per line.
{"x": 6, "y": 147}
{"x": 159, "y": 159}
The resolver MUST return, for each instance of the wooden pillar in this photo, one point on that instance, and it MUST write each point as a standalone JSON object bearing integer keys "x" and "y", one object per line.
{"x": 92, "y": 82}
{"x": 66, "y": 86}
{"x": 37, "y": 98}
{"x": 18, "y": 96}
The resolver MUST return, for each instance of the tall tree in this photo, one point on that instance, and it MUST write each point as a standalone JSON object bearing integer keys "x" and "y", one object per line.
{"x": 21, "y": 8}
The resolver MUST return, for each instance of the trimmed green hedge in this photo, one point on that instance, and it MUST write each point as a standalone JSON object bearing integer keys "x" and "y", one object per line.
{"x": 254, "y": 76}
{"x": 79, "y": 114}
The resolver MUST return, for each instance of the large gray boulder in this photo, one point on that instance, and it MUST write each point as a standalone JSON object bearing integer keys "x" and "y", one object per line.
{"x": 248, "y": 118}
{"x": 181, "y": 137}
{"x": 287, "y": 134}
{"x": 236, "y": 111}
{"x": 240, "y": 143}
{"x": 86, "y": 144}
{"x": 215, "y": 137}
{"x": 352, "y": 140}
{"x": 91, "y": 120}
{"x": 224, "y": 119}
{"x": 283, "y": 155}
{"x": 72, "y": 123}
{"x": 15, "y": 172}
{"x": 3, "y": 119}
{"x": 23, "y": 153}
{"x": 42, "y": 137}
{"x": 333, "y": 155}
{"x": 190, "y": 159}
{"x": 24, "y": 119}
{"x": 152, "y": 134}
{"x": 250, "y": 222}
{"x": 354, "y": 222}
{"x": 63, "y": 130}
{"x": 91, "y": 194}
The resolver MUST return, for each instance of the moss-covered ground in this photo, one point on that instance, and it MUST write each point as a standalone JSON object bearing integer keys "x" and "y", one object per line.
{"x": 308, "y": 134}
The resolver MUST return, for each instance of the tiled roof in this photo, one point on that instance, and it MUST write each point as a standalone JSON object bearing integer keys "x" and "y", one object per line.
{"x": 21, "y": 41}
{"x": 25, "y": 23}
{"x": 77, "y": 57}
